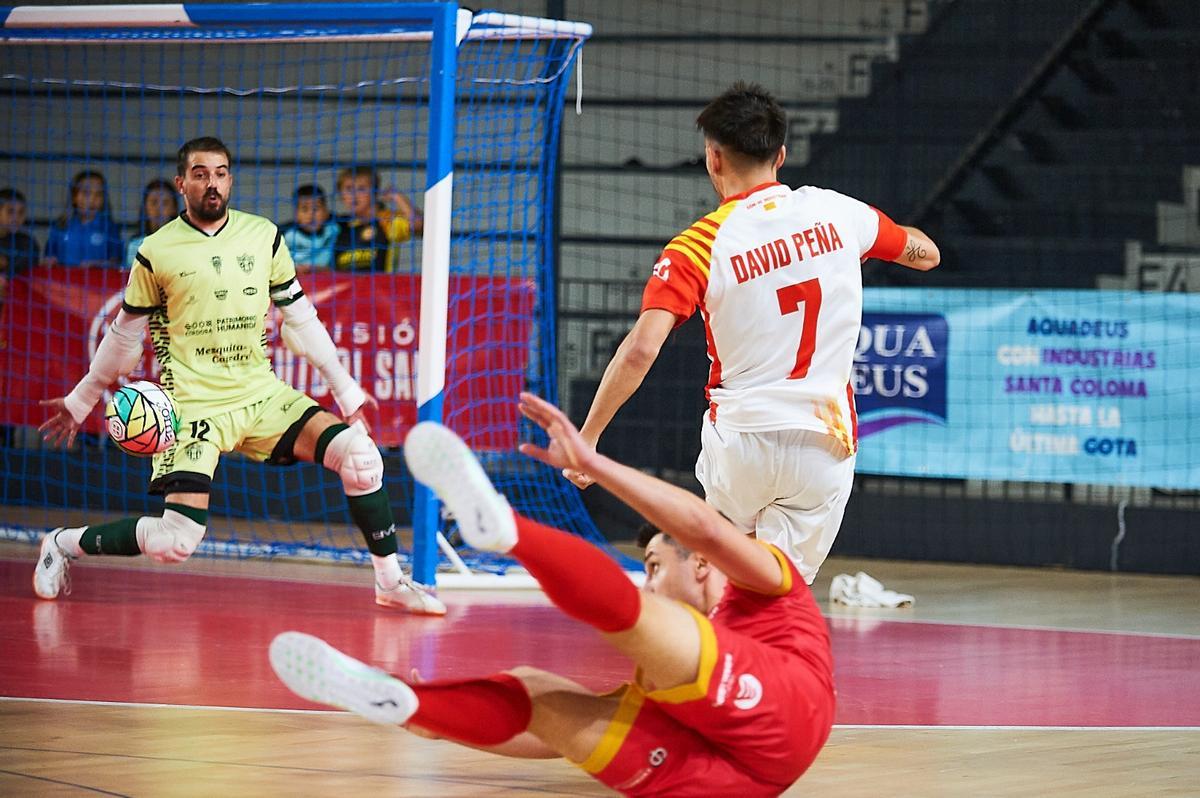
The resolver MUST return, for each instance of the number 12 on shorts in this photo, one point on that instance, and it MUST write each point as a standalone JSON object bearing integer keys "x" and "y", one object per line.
{"x": 791, "y": 297}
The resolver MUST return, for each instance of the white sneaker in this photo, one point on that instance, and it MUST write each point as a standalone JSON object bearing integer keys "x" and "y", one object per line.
{"x": 52, "y": 574}
{"x": 313, "y": 669}
{"x": 439, "y": 458}
{"x": 411, "y": 596}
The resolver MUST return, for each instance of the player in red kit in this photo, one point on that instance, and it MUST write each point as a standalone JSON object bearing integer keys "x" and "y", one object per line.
{"x": 776, "y": 275}
{"x": 733, "y": 693}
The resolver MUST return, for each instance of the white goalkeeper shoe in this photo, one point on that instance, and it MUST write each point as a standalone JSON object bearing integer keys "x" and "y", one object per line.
{"x": 411, "y": 596}
{"x": 440, "y": 459}
{"x": 315, "y": 670}
{"x": 52, "y": 574}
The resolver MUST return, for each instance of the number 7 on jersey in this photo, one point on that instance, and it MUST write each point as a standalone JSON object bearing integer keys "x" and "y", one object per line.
{"x": 791, "y": 297}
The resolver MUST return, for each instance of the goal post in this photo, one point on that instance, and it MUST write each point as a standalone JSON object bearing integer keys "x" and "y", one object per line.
{"x": 453, "y": 112}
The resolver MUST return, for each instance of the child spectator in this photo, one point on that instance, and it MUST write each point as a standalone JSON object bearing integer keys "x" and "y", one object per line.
{"x": 368, "y": 233}
{"x": 85, "y": 235}
{"x": 160, "y": 204}
{"x": 18, "y": 249}
{"x": 311, "y": 237}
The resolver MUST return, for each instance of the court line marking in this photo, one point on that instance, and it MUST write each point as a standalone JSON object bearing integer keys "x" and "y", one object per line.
{"x": 829, "y": 611}
{"x": 75, "y": 784}
{"x": 854, "y": 726}
{"x": 837, "y": 616}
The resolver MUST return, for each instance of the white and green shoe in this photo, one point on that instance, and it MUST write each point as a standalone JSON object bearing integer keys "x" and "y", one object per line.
{"x": 315, "y": 670}
{"x": 439, "y": 458}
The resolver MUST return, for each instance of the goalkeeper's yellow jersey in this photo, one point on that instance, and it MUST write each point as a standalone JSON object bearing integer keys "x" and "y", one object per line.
{"x": 207, "y": 298}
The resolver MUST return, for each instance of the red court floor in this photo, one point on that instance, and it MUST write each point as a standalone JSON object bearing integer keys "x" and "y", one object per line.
{"x": 165, "y": 637}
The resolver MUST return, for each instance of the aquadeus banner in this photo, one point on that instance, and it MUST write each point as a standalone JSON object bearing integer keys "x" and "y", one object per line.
{"x": 1099, "y": 387}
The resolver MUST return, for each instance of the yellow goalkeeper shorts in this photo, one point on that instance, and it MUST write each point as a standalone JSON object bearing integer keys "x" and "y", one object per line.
{"x": 254, "y": 431}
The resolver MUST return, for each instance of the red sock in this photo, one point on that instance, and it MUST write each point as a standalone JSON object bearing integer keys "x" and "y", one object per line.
{"x": 485, "y": 711}
{"x": 581, "y": 579}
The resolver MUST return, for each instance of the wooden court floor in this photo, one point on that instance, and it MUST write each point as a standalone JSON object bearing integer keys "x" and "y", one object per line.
{"x": 149, "y": 681}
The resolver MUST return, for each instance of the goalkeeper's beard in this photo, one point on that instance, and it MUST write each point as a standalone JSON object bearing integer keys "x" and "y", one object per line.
{"x": 204, "y": 214}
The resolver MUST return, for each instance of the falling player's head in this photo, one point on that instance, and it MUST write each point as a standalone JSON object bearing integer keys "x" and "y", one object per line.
{"x": 744, "y": 131}
{"x": 672, "y": 571}
{"x": 204, "y": 178}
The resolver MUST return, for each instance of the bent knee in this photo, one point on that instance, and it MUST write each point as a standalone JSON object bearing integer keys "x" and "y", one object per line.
{"x": 356, "y": 459}
{"x": 171, "y": 538}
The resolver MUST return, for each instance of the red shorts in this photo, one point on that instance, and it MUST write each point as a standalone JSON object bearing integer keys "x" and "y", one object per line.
{"x": 750, "y": 725}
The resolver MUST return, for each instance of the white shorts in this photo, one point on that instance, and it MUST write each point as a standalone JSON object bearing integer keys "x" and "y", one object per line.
{"x": 789, "y": 487}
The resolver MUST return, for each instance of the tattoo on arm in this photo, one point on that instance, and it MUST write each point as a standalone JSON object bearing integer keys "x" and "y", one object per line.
{"x": 914, "y": 252}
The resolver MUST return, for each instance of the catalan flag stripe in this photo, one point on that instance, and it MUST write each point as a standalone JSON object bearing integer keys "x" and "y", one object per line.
{"x": 697, "y": 242}
{"x": 704, "y": 257}
{"x": 696, "y": 260}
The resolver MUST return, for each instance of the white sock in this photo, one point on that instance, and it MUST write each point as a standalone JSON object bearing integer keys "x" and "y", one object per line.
{"x": 68, "y": 541}
{"x": 387, "y": 571}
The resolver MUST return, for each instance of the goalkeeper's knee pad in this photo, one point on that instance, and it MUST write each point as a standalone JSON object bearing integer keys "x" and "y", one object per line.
{"x": 169, "y": 539}
{"x": 356, "y": 459}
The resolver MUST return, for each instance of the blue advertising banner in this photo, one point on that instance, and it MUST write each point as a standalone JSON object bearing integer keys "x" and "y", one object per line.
{"x": 1099, "y": 387}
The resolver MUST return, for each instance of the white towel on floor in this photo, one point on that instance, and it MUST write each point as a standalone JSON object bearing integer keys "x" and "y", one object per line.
{"x": 863, "y": 590}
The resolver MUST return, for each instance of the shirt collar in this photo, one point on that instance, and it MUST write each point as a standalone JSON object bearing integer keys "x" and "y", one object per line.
{"x": 183, "y": 215}
{"x": 750, "y": 191}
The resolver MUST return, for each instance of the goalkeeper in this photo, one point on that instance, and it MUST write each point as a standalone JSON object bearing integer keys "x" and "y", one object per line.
{"x": 202, "y": 283}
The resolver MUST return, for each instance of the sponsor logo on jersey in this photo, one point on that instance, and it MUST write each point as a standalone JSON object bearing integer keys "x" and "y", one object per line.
{"x": 899, "y": 373}
{"x": 662, "y": 269}
{"x": 749, "y": 692}
{"x": 658, "y": 756}
{"x": 246, "y": 263}
{"x": 216, "y": 263}
{"x": 725, "y": 681}
{"x": 221, "y": 293}
{"x": 249, "y": 290}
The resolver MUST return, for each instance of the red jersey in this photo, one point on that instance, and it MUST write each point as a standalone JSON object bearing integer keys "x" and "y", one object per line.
{"x": 789, "y": 621}
{"x": 754, "y": 719}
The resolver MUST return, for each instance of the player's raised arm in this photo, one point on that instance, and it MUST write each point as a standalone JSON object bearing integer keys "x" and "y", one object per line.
{"x": 884, "y": 239}
{"x": 118, "y": 354}
{"x": 686, "y": 518}
{"x": 919, "y": 252}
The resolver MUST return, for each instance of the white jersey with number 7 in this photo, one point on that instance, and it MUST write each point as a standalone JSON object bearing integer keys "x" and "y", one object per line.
{"x": 776, "y": 274}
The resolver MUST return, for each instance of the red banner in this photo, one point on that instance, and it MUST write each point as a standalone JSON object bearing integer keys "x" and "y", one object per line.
{"x": 54, "y": 318}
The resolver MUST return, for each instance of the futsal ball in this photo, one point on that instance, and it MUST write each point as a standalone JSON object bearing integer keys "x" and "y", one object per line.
{"x": 142, "y": 418}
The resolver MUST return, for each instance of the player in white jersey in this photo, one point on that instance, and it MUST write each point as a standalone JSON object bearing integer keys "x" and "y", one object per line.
{"x": 776, "y": 275}
{"x": 203, "y": 283}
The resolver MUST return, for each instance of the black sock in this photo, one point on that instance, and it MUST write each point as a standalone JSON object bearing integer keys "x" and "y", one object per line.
{"x": 372, "y": 514}
{"x": 115, "y": 537}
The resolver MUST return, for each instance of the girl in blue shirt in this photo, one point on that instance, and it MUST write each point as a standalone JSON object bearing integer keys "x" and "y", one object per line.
{"x": 160, "y": 204}
{"x": 85, "y": 235}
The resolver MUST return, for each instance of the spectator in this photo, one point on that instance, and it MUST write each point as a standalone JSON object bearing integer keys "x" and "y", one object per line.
{"x": 365, "y": 240}
{"x": 18, "y": 249}
{"x": 160, "y": 204}
{"x": 85, "y": 235}
{"x": 312, "y": 235}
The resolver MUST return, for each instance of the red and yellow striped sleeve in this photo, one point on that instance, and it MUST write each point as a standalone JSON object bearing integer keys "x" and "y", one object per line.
{"x": 680, "y": 277}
